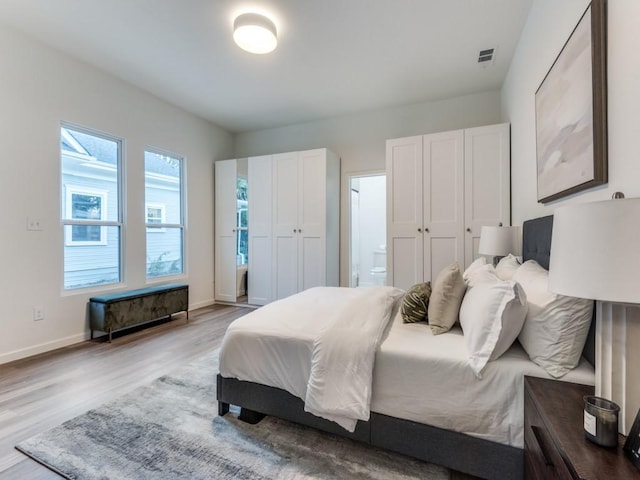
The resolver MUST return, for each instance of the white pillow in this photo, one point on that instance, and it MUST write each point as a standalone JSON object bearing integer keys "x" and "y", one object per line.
{"x": 507, "y": 267}
{"x": 491, "y": 316}
{"x": 484, "y": 274}
{"x": 477, "y": 263}
{"x": 556, "y": 326}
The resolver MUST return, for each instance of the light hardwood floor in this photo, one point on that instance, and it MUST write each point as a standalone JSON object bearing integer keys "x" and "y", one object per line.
{"x": 43, "y": 391}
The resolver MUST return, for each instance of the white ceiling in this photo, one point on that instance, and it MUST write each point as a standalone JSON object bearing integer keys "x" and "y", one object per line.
{"x": 334, "y": 57}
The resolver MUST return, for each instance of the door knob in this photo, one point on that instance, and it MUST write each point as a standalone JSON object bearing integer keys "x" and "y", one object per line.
{"x": 419, "y": 229}
{"x": 500, "y": 224}
{"x": 426, "y": 230}
{"x": 469, "y": 230}
{"x": 299, "y": 230}
{"x": 294, "y": 230}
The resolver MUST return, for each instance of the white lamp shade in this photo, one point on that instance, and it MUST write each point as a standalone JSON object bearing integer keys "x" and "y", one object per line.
{"x": 499, "y": 241}
{"x": 255, "y": 33}
{"x": 595, "y": 251}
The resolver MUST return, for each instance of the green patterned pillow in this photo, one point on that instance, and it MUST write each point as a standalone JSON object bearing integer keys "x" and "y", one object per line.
{"x": 415, "y": 302}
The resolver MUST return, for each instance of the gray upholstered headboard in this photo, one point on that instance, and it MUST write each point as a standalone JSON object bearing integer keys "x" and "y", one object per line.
{"x": 536, "y": 245}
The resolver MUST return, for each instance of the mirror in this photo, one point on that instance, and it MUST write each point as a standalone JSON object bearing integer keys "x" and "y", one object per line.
{"x": 242, "y": 231}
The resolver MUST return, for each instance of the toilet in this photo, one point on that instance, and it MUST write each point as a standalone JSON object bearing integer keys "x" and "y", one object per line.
{"x": 379, "y": 270}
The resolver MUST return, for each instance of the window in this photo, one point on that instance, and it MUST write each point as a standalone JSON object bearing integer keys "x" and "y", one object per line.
{"x": 91, "y": 215}
{"x": 156, "y": 214}
{"x": 163, "y": 175}
{"x": 83, "y": 203}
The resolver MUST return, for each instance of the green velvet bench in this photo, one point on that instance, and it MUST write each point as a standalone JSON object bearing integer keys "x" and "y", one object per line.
{"x": 108, "y": 313}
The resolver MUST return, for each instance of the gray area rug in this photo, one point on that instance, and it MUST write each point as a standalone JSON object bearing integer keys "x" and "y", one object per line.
{"x": 170, "y": 430}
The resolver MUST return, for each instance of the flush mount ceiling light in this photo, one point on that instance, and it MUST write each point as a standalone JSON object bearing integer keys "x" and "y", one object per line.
{"x": 255, "y": 33}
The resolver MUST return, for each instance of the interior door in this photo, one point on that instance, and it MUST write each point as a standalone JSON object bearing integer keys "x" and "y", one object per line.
{"x": 285, "y": 225}
{"x": 260, "y": 226}
{"x": 487, "y": 182}
{"x": 225, "y": 230}
{"x": 405, "y": 254}
{"x": 443, "y": 196}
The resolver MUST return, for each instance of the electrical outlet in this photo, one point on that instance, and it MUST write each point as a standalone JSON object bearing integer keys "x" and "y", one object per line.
{"x": 38, "y": 313}
{"x": 34, "y": 224}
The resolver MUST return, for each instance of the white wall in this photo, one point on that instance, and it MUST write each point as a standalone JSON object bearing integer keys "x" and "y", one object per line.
{"x": 359, "y": 140}
{"x": 548, "y": 26}
{"x": 40, "y": 87}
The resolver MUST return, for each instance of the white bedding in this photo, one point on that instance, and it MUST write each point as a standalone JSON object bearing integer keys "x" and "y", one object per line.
{"x": 426, "y": 378}
{"x": 417, "y": 376}
{"x": 341, "y": 376}
{"x": 332, "y": 368}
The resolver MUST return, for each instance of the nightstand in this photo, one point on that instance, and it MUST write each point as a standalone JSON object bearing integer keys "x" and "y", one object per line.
{"x": 554, "y": 443}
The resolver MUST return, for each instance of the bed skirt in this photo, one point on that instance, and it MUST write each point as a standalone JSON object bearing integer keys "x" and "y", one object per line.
{"x": 460, "y": 452}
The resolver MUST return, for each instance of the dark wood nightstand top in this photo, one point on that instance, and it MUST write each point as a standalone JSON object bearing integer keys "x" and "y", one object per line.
{"x": 561, "y": 406}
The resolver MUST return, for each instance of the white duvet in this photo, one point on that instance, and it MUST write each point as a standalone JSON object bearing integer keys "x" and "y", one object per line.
{"x": 338, "y": 329}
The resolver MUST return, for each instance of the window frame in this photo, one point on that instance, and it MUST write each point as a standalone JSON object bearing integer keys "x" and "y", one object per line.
{"x": 67, "y": 223}
{"x": 162, "y": 227}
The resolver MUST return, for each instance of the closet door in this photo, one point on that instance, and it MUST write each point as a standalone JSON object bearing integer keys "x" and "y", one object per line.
{"x": 285, "y": 225}
{"x": 443, "y": 197}
{"x": 260, "y": 228}
{"x": 405, "y": 237}
{"x": 487, "y": 182}
{"x": 312, "y": 178}
{"x": 225, "y": 230}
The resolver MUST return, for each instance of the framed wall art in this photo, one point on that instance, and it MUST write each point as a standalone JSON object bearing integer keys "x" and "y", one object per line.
{"x": 571, "y": 112}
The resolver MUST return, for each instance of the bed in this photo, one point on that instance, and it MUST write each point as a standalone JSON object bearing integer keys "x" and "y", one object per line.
{"x": 415, "y": 408}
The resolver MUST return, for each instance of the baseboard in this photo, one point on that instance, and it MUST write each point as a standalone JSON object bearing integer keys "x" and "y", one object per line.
{"x": 204, "y": 303}
{"x": 43, "y": 347}
{"x": 65, "y": 342}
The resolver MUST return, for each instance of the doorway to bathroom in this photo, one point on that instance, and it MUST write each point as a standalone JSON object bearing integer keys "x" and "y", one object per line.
{"x": 368, "y": 230}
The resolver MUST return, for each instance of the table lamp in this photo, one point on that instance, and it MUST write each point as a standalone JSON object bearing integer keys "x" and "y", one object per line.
{"x": 499, "y": 242}
{"x": 595, "y": 253}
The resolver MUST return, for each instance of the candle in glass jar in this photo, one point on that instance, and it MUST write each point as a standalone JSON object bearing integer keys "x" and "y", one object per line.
{"x": 601, "y": 421}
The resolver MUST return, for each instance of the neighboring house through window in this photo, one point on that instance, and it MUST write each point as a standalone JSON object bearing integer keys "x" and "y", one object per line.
{"x": 84, "y": 203}
{"x": 91, "y": 207}
{"x": 164, "y": 203}
{"x": 156, "y": 215}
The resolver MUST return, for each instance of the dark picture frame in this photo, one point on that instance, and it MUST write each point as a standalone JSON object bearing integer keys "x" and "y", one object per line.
{"x": 571, "y": 112}
{"x": 632, "y": 444}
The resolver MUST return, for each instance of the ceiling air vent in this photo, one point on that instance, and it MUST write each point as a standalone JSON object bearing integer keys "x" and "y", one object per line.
{"x": 485, "y": 57}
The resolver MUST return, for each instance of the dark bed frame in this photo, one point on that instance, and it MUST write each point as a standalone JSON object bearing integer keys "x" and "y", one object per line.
{"x": 460, "y": 452}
